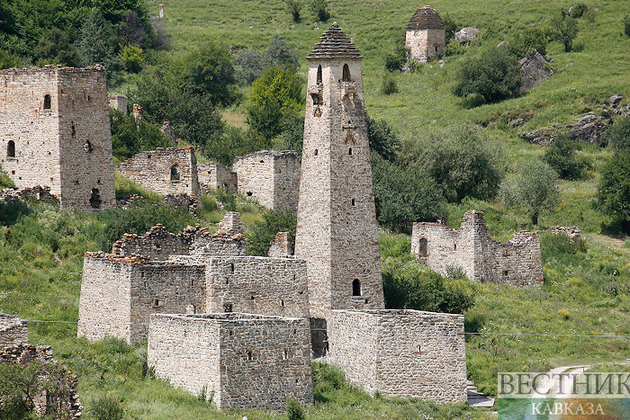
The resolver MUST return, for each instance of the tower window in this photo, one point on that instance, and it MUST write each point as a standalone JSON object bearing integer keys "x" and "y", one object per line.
{"x": 11, "y": 149}
{"x": 356, "y": 287}
{"x": 87, "y": 146}
{"x": 319, "y": 75}
{"x": 47, "y": 102}
{"x": 423, "y": 248}
{"x": 350, "y": 151}
{"x": 346, "y": 73}
{"x": 174, "y": 173}
{"x": 316, "y": 152}
{"x": 95, "y": 199}
{"x": 454, "y": 247}
{"x": 354, "y": 203}
{"x": 74, "y": 131}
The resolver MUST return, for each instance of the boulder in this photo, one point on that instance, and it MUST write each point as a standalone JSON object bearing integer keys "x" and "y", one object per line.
{"x": 466, "y": 35}
{"x": 534, "y": 70}
{"x": 615, "y": 100}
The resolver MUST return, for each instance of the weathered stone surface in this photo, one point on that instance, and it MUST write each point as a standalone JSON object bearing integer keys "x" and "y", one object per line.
{"x": 169, "y": 133}
{"x": 214, "y": 175}
{"x": 13, "y": 331}
{"x": 615, "y": 100}
{"x": 401, "y": 353}
{"x": 55, "y": 132}
{"x": 119, "y": 103}
{"x": 337, "y": 233}
{"x": 240, "y": 360}
{"x": 465, "y": 35}
{"x": 573, "y": 232}
{"x": 588, "y": 129}
{"x": 231, "y": 224}
{"x": 38, "y": 193}
{"x": 425, "y": 36}
{"x": 65, "y": 403}
{"x": 534, "y": 71}
{"x": 517, "y": 261}
{"x": 180, "y": 200}
{"x": 281, "y": 246}
{"x": 271, "y": 177}
{"x": 165, "y": 171}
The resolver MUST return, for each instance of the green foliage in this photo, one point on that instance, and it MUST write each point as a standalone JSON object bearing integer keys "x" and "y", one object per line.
{"x": 232, "y": 142}
{"x": 463, "y": 161}
{"x": 564, "y": 29}
{"x": 451, "y": 26}
{"x": 495, "y": 75}
{"x": 563, "y": 158}
{"x": 578, "y": 10}
{"x": 320, "y": 9}
{"x": 130, "y": 137}
{"x": 613, "y": 190}
{"x": 8, "y": 60}
{"x": 107, "y": 407}
{"x": 626, "y": 25}
{"x": 125, "y": 187}
{"x": 57, "y": 47}
{"x": 294, "y": 7}
{"x": 382, "y": 139}
{"x": 97, "y": 43}
{"x": 522, "y": 42}
{"x": 453, "y": 47}
{"x": 132, "y": 57}
{"x": 389, "y": 85}
{"x": 5, "y": 180}
{"x": 277, "y": 95}
{"x": 295, "y": 411}
{"x": 249, "y": 66}
{"x": 532, "y": 187}
{"x": 618, "y": 135}
{"x": 404, "y": 194}
{"x": 138, "y": 219}
{"x": 135, "y": 30}
{"x": 412, "y": 285}
{"x": 260, "y": 235}
{"x": 396, "y": 60}
{"x": 280, "y": 54}
{"x": 292, "y": 135}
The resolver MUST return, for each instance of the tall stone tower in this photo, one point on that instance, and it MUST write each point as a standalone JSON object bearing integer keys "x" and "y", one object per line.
{"x": 426, "y": 36}
{"x": 55, "y": 132}
{"x": 337, "y": 233}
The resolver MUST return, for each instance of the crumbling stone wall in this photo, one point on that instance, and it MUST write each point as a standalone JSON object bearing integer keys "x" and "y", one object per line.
{"x": 13, "y": 331}
{"x": 573, "y": 232}
{"x": 214, "y": 175}
{"x": 55, "y": 132}
{"x": 165, "y": 171}
{"x": 281, "y": 246}
{"x": 240, "y": 360}
{"x": 271, "y": 177}
{"x": 471, "y": 249}
{"x": 119, "y": 103}
{"x": 401, "y": 353}
{"x": 426, "y": 36}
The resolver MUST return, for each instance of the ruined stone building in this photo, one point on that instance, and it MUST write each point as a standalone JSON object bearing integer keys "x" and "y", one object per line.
{"x": 214, "y": 175}
{"x": 119, "y": 103}
{"x": 55, "y": 132}
{"x": 13, "y": 331}
{"x": 517, "y": 261}
{"x": 269, "y": 176}
{"x": 426, "y": 36}
{"x": 165, "y": 171}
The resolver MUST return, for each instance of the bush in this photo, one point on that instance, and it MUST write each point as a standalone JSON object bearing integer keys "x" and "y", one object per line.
{"x": 577, "y": 10}
{"x": 130, "y": 137}
{"x": 320, "y": 8}
{"x": 395, "y": 60}
{"x": 389, "y": 85}
{"x": 626, "y": 25}
{"x": 107, "y": 408}
{"x": 618, "y": 135}
{"x": 562, "y": 157}
{"x": 382, "y": 140}
{"x": 453, "y": 47}
{"x": 522, "y": 42}
{"x": 280, "y": 54}
{"x": 613, "y": 190}
{"x": 495, "y": 75}
{"x": 295, "y": 9}
{"x": 564, "y": 29}
{"x": 132, "y": 57}
{"x": 250, "y": 66}
{"x": 295, "y": 411}
{"x": 260, "y": 235}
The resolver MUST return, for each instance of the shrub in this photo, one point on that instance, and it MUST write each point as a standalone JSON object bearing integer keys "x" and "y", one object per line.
{"x": 453, "y": 47}
{"x": 451, "y": 27}
{"x": 564, "y": 29}
{"x": 389, "y": 85}
{"x": 382, "y": 140}
{"x": 395, "y": 60}
{"x": 295, "y": 9}
{"x": 260, "y": 235}
{"x": 562, "y": 157}
{"x": 107, "y": 408}
{"x": 320, "y": 8}
{"x": 618, "y": 135}
{"x": 280, "y": 54}
{"x": 250, "y": 66}
{"x": 626, "y": 25}
{"x": 577, "y": 10}
{"x": 132, "y": 57}
{"x": 130, "y": 137}
{"x": 495, "y": 75}
{"x": 295, "y": 411}
{"x": 613, "y": 190}
{"x": 522, "y": 42}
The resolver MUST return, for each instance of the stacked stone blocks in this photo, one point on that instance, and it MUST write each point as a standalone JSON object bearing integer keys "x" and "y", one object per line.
{"x": 13, "y": 331}
{"x": 426, "y": 35}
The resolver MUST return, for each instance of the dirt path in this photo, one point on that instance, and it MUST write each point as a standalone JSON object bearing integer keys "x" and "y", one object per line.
{"x": 613, "y": 243}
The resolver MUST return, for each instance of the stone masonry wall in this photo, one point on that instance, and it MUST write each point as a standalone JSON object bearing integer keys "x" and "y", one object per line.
{"x": 401, "y": 353}
{"x": 214, "y": 175}
{"x": 470, "y": 248}
{"x": 242, "y": 360}
{"x": 426, "y": 43}
{"x": 271, "y": 177}
{"x": 119, "y": 293}
{"x": 13, "y": 331}
{"x": 165, "y": 171}
{"x": 54, "y": 132}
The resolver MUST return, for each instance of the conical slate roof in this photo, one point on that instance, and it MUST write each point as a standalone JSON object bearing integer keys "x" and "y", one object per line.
{"x": 334, "y": 44}
{"x": 425, "y": 18}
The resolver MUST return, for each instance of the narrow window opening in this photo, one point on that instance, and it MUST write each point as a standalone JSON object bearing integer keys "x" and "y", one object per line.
{"x": 316, "y": 152}
{"x": 356, "y": 287}
{"x": 89, "y": 98}
{"x": 353, "y": 202}
{"x": 285, "y": 354}
{"x": 192, "y": 282}
{"x": 319, "y": 75}
{"x": 423, "y": 247}
{"x": 262, "y": 161}
{"x": 454, "y": 247}
{"x": 11, "y": 149}
{"x": 174, "y": 173}
{"x": 47, "y": 102}
{"x": 87, "y": 146}
{"x": 253, "y": 298}
{"x": 95, "y": 199}
{"x": 227, "y": 307}
{"x": 250, "y": 355}
{"x": 149, "y": 156}
{"x": 505, "y": 273}
{"x": 350, "y": 151}
{"x": 282, "y": 302}
{"x": 419, "y": 348}
{"x": 74, "y": 131}
{"x": 145, "y": 284}
{"x": 249, "y": 193}
{"x": 231, "y": 333}
{"x": 232, "y": 268}
{"x": 157, "y": 303}
{"x": 346, "y": 73}
{"x": 12, "y": 172}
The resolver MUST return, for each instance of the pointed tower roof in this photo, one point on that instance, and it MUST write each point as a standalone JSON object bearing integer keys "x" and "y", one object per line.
{"x": 425, "y": 18}
{"x": 334, "y": 44}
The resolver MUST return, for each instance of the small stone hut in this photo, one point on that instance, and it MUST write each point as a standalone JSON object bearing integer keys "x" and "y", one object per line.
{"x": 426, "y": 36}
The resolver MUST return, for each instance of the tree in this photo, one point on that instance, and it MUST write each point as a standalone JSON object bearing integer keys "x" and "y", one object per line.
{"x": 404, "y": 195}
{"x": 295, "y": 9}
{"x": 250, "y": 66}
{"x": 382, "y": 140}
{"x": 97, "y": 44}
{"x": 618, "y": 135}
{"x": 320, "y": 8}
{"x": 56, "y": 47}
{"x": 533, "y": 188}
{"x": 564, "y": 29}
{"x": 280, "y": 54}
{"x": 208, "y": 71}
{"x": 495, "y": 75}
{"x": 260, "y": 235}
{"x": 130, "y": 137}
{"x": 522, "y": 42}
{"x": 562, "y": 156}
{"x": 463, "y": 162}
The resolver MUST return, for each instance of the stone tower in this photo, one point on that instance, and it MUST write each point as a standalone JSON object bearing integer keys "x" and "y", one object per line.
{"x": 54, "y": 131}
{"x": 426, "y": 36}
{"x": 337, "y": 233}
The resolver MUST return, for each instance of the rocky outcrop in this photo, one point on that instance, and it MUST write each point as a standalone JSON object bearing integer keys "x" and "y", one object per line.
{"x": 466, "y": 35}
{"x": 534, "y": 71}
{"x": 588, "y": 129}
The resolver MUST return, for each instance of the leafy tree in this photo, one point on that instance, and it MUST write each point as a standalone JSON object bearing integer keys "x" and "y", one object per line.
{"x": 495, "y": 75}
{"x": 294, "y": 7}
{"x": 451, "y": 26}
{"x": 260, "y": 235}
{"x": 8, "y": 60}
{"x": 295, "y": 411}
{"x": 522, "y": 42}
{"x": 56, "y": 47}
{"x": 280, "y": 54}
{"x": 134, "y": 31}
{"x": 130, "y": 137}
{"x": 533, "y": 188}
{"x": 463, "y": 161}
{"x": 97, "y": 43}
{"x": 208, "y": 71}
{"x": 396, "y": 60}
{"x": 132, "y": 57}
{"x": 292, "y": 135}
{"x": 404, "y": 195}
{"x": 562, "y": 156}
{"x": 232, "y": 141}
{"x": 250, "y": 66}
{"x": 564, "y": 29}
{"x": 618, "y": 135}
{"x": 320, "y": 8}
{"x": 382, "y": 140}
{"x": 275, "y": 96}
